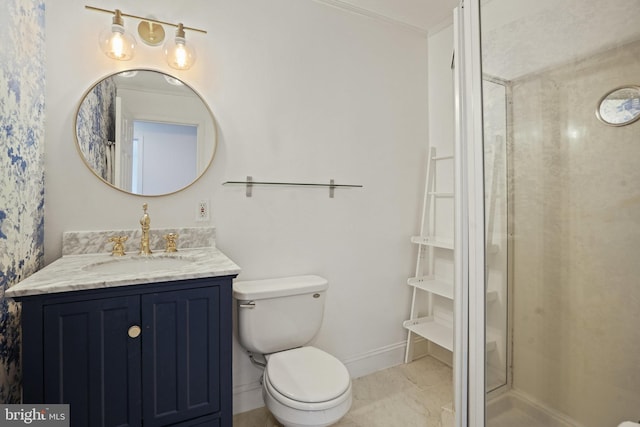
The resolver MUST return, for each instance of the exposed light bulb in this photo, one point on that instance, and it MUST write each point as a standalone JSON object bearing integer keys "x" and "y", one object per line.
{"x": 117, "y": 45}
{"x": 115, "y": 42}
{"x": 179, "y": 54}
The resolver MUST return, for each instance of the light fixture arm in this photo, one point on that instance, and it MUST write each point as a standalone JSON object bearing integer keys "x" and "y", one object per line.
{"x": 120, "y": 14}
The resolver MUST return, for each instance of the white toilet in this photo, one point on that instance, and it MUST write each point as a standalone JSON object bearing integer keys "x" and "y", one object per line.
{"x": 301, "y": 385}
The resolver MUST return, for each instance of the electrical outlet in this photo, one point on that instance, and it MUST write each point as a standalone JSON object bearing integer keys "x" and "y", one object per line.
{"x": 203, "y": 211}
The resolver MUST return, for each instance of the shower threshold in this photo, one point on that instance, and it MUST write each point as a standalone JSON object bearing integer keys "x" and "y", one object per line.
{"x": 513, "y": 408}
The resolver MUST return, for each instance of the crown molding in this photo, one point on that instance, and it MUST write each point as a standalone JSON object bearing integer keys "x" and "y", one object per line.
{"x": 348, "y": 7}
{"x": 441, "y": 26}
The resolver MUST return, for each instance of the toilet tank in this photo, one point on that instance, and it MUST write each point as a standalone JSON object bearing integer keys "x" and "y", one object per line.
{"x": 279, "y": 314}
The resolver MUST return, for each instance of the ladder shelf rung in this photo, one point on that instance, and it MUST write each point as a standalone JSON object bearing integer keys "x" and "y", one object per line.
{"x": 437, "y": 242}
{"x": 492, "y": 345}
{"x": 442, "y": 158}
{"x": 491, "y": 342}
{"x": 440, "y": 194}
{"x": 492, "y": 296}
{"x": 442, "y": 334}
{"x": 495, "y": 377}
{"x": 432, "y": 330}
{"x": 433, "y": 285}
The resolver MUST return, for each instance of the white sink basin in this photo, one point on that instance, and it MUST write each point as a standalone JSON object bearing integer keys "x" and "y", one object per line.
{"x": 138, "y": 265}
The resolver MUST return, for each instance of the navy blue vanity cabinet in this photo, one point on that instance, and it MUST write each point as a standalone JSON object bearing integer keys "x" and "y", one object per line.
{"x": 146, "y": 355}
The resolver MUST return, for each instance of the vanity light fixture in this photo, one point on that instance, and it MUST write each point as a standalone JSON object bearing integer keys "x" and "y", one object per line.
{"x": 118, "y": 44}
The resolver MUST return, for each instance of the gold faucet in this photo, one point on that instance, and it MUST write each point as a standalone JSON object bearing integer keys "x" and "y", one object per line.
{"x": 145, "y": 222}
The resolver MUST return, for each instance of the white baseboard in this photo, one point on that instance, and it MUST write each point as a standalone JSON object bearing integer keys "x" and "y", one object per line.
{"x": 247, "y": 397}
{"x": 375, "y": 360}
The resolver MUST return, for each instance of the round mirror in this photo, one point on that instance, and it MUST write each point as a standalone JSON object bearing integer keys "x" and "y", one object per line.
{"x": 145, "y": 132}
{"x": 620, "y": 107}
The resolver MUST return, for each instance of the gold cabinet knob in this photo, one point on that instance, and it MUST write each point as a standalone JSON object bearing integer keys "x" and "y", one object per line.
{"x": 134, "y": 331}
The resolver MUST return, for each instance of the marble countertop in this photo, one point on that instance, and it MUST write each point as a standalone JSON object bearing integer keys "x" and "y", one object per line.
{"x": 94, "y": 271}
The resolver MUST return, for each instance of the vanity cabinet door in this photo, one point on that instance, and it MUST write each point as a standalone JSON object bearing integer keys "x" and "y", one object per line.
{"x": 91, "y": 362}
{"x": 181, "y": 368}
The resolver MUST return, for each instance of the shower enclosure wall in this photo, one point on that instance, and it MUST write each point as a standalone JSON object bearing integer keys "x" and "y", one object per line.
{"x": 561, "y": 194}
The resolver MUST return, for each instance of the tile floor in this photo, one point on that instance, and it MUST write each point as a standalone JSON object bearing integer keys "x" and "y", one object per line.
{"x": 403, "y": 396}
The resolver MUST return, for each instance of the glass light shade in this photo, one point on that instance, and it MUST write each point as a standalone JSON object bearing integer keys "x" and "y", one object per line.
{"x": 178, "y": 53}
{"x": 116, "y": 43}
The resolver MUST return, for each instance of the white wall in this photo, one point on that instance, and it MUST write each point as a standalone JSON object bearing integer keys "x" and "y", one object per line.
{"x": 441, "y": 137}
{"x": 301, "y": 92}
{"x": 441, "y": 97}
{"x": 441, "y": 132}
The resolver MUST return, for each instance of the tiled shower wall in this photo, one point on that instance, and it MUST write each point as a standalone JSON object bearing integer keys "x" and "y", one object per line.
{"x": 22, "y": 80}
{"x": 577, "y": 239}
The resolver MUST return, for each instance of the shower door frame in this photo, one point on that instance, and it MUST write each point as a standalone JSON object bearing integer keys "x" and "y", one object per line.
{"x": 469, "y": 287}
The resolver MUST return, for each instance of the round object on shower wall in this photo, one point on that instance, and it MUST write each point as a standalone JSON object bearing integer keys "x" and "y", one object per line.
{"x": 620, "y": 107}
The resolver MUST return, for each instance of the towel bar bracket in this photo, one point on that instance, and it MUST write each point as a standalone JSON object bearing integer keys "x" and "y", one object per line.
{"x": 249, "y": 186}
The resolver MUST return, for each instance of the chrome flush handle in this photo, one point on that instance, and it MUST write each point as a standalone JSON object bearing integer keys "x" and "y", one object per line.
{"x": 250, "y": 304}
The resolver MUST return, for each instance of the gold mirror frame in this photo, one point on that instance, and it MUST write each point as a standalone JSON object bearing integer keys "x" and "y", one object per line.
{"x": 93, "y": 152}
{"x": 620, "y": 106}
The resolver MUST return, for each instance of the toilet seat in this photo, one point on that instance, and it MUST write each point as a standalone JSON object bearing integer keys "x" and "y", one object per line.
{"x": 307, "y": 378}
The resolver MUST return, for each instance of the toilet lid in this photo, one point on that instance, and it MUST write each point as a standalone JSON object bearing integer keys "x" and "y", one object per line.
{"x": 307, "y": 374}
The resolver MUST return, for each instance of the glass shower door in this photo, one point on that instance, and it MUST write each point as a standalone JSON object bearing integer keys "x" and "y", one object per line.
{"x": 561, "y": 212}
{"x": 496, "y": 197}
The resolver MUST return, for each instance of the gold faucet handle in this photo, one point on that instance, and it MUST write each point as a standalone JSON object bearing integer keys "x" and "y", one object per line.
{"x": 171, "y": 239}
{"x": 118, "y": 245}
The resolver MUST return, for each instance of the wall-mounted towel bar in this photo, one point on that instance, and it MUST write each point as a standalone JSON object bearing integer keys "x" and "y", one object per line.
{"x": 250, "y": 183}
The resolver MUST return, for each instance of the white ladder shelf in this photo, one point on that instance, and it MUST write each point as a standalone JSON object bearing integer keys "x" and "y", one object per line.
{"x": 434, "y": 325}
